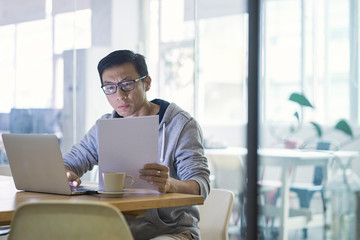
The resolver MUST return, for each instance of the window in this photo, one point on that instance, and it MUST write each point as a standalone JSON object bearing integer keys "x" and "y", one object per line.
{"x": 306, "y": 48}
{"x": 32, "y": 64}
{"x": 200, "y": 53}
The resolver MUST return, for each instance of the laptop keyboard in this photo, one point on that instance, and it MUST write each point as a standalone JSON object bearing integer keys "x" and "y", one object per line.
{"x": 82, "y": 188}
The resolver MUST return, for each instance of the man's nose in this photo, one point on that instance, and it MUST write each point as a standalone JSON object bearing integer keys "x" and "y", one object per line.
{"x": 120, "y": 92}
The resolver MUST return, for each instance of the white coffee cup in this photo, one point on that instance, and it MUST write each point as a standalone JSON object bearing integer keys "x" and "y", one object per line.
{"x": 115, "y": 181}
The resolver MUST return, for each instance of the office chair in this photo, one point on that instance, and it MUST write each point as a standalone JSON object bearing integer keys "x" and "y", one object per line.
{"x": 80, "y": 220}
{"x": 305, "y": 191}
{"x": 215, "y": 215}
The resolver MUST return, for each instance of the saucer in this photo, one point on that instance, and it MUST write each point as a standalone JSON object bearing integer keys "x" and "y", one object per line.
{"x": 111, "y": 194}
{"x": 128, "y": 191}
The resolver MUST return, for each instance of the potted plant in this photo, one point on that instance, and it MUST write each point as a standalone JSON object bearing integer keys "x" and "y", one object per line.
{"x": 342, "y": 125}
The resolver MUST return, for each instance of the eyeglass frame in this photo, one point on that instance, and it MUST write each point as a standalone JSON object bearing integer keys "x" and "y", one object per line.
{"x": 119, "y": 84}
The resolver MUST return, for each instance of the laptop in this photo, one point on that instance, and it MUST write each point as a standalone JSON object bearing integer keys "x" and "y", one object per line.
{"x": 37, "y": 165}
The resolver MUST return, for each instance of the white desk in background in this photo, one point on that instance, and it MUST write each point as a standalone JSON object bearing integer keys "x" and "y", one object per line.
{"x": 286, "y": 159}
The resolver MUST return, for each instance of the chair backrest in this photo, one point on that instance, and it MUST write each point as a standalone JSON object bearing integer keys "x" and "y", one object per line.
{"x": 215, "y": 215}
{"x": 228, "y": 171}
{"x": 68, "y": 220}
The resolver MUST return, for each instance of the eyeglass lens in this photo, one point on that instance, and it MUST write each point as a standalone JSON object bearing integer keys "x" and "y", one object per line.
{"x": 124, "y": 86}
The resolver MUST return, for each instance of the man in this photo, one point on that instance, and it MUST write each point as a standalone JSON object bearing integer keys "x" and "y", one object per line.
{"x": 182, "y": 167}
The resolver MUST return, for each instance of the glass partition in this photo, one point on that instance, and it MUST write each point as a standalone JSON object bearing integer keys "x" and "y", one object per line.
{"x": 308, "y": 94}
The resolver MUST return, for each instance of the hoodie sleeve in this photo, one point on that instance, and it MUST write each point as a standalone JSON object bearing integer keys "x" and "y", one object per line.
{"x": 191, "y": 164}
{"x": 83, "y": 155}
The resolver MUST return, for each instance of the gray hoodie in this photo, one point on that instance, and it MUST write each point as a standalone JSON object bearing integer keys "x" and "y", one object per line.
{"x": 180, "y": 148}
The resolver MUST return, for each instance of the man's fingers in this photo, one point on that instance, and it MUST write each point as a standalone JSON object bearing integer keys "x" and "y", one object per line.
{"x": 154, "y": 169}
{"x": 156, "y": 166}
{"x": 151, "y": 172}
{"x": 161, "y": 184}
{"x": 75, "y": 183}
{"x": 74, "y": 180}
{"x": 152, "y": 179}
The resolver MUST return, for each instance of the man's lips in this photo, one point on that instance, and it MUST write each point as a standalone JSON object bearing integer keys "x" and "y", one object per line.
{"x": 124, "y": 106}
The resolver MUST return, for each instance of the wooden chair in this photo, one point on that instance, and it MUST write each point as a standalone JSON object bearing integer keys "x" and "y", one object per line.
{"x": 68, "y": 220}
{"x": 215, "y": 215}
{"x": 228, "y": 172}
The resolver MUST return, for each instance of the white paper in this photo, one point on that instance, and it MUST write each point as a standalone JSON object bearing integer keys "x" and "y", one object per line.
{"x": 126, "y": 144}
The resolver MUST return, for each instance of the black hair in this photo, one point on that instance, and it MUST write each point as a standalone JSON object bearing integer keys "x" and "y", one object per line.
{"x": 120, "y": 57}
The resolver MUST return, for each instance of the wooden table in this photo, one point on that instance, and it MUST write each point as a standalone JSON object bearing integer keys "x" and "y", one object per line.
{"x": 10, "y": 199}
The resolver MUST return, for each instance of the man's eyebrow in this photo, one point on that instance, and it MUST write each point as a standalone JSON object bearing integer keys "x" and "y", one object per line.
{"x": 108, "y": 82}
{"x": 125, "y": 79}
{"x": 114, "y": 82}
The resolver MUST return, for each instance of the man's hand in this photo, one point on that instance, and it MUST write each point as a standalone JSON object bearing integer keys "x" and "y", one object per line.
{"x": 157, "y": 175}
{"x": 74, "y": 179}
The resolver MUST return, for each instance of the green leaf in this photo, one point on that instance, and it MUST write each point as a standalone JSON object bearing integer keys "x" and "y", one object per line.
{"x": 300, "y": 99}
{"x": 296, "y": 114}
{"x": 292, "y": 129}
{"x": 318, "y": 129}
{"x": 343, "y": 126}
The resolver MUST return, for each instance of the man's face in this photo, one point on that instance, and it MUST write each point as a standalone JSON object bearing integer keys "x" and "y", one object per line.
{"x": 127, "y": 104}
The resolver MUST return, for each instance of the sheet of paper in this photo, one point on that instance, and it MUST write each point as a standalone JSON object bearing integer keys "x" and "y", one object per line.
{"x": 126, "y": 144}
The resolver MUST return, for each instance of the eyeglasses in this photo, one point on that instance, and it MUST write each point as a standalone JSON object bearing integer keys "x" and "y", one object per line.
{"x": 125, "y": 86}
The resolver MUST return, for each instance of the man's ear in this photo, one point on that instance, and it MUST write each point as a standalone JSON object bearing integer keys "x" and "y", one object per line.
{"x": 147, "y": 83}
